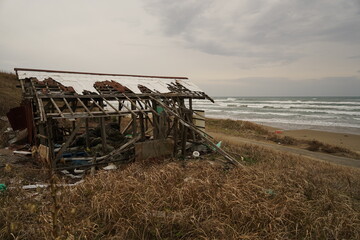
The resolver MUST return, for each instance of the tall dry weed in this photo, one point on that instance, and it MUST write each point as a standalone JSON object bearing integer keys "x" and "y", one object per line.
{"x": 278, "y": 197}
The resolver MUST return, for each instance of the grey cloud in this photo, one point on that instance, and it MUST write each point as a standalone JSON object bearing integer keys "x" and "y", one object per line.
{"x": 330, "y": 86}
{"x": 177, "y": 16}
{"x": 261, "y": 29}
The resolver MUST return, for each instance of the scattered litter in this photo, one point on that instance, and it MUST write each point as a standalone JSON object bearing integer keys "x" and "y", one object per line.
{"x": 111, "y": 166}
{"x": 22, "y": 152}
{"x": 78, "y": 171}
{"x": 2, "y": 187}
{"x": 68, "y": 174}
{"x": 196, "y": 154}
{"x": 270, "y": 192}
{"x": 35, "y": 186}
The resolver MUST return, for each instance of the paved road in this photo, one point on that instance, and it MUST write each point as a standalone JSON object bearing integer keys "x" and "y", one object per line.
{"x": 297, "y": 151}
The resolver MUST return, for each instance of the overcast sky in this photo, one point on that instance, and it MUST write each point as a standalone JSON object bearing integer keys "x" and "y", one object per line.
{"x": 228, "y": 48}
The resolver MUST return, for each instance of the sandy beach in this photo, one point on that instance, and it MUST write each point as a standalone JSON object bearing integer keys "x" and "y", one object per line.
{"x": 350, "y": 141}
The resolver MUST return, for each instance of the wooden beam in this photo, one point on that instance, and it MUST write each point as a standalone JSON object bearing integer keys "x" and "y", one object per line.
{"x": 87, "y": 139}
{"x": 85, "y": 107}
{"x": 103, "y": 134}
{"x": 98, "y": 105}
{"x": 127, "y": 127}
{"x": 68, "y": 106}
{"x": 201, "y": 133}
{"x": 68, "y": 141}
{"x": 56, "y": 107}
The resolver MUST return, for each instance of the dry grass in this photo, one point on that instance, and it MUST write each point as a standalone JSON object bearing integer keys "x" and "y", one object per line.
{"x": 235, "y": 127}
{"x": 278, "y": 196}
{"x": 258, "y": 132}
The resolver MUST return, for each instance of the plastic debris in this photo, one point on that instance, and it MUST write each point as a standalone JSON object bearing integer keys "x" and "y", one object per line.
{"x": 2, "y": 187}
{"x": 111, "y": 166}
{"x": 270, "y": 192}
{"x": 196, "y": 154}
{"x": 68, "y": 174}
{"x": 35, "y": 186}
{"x": 22, "y": 152}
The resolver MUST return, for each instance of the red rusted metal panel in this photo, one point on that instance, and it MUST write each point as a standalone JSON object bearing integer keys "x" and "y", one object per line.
{"x": 17, "y": 118}
{"x": 22, "y": 118}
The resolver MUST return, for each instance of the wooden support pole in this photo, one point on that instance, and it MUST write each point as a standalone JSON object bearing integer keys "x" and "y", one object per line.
{"x": 85, "y": 107}
{"x": 87, "y": 140}
{"x": 98, "y": 105}
{"x": 41, "y": 131}
{"x": 184, "y": 131}
{"x": 49, "y": 127}
{"x": 155, "y": 122}
{"x": 141, "y": 110}
{"x": 68, "y": 141}
{"x": 57, "y": 107}
{"x": 103, "y": 131}
{"x": 124, "y": 105}
{"x": 134, "y": 124}
{"x": 204, "y": 135}
{"x": 142, "y": 127}
{"x": 127, "y": 126}
{"x": 175, "y": 133}
{"x": 68, "y": 106}
{"x": 119, "y": 117}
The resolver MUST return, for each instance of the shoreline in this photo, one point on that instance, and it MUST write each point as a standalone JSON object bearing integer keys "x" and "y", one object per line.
{"x": 347, "y": 140}
{"x": 296, "y": 127}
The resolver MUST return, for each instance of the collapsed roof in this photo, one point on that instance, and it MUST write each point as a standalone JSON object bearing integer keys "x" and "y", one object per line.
{"x": 83, "y": 82}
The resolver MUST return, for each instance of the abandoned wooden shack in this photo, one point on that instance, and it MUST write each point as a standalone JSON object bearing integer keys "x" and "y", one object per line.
{"x": 95, "y": 118}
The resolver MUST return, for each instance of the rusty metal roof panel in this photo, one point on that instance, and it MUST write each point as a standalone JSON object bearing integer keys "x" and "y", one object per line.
{"x": 85, "y": 81}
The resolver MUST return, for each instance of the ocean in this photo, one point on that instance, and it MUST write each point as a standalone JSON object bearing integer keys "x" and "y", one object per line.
{"x": 334, "y": 114}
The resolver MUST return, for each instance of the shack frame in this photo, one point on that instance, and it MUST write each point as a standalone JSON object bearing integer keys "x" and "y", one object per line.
{"x": 47, "y": 103}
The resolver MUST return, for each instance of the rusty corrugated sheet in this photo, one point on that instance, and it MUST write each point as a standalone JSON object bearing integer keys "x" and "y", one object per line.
{"x": 22, "y": 118}
{"x": 17, "y": 118}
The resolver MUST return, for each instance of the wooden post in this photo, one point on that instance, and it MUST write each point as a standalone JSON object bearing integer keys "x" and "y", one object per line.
{"x": 103, "y": 134}
{"x": 41, "y": 129}
{"x": 119, "y": 117}
{"x": 155, "y": 122}
{"x": 68, "y": 141}
{"x": 102, "y": 127}
{"x": 162, "y": 126}
{"x": 142, "y": 127}
{"x": 92, "y": 171}
{"x": 52, "y": 160}
{"x": 87, "y": 140}
{"x": 134, "y": 124}
{"x": 190, "y": 118}
{"x": 206, "y": 137}
{"x": 175, "y": 134}
{"x": 184, "y": 128}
